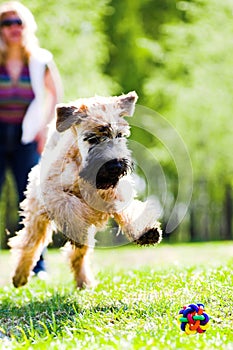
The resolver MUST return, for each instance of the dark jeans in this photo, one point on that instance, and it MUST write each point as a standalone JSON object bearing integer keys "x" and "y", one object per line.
{"x": 18, "y": 158}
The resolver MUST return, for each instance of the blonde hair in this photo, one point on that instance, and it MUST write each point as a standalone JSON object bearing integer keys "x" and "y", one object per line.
{"x": 30, "y": 41}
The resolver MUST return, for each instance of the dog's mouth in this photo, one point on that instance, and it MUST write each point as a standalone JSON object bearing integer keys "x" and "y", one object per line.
{"x": 108, "y": 174}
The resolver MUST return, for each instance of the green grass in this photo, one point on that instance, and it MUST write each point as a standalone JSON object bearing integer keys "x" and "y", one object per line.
{"x": 134, "y": 306}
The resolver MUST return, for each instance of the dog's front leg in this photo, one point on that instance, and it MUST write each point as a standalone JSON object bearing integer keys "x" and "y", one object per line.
{"x": 74, "y": 218}
{"x": 139, "y": 224}
{"x": 78, "y": 255}
{"x": 79, "y": 262}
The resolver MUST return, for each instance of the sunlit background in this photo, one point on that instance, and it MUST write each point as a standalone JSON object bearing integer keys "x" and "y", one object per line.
{"x": 178, "y": 57}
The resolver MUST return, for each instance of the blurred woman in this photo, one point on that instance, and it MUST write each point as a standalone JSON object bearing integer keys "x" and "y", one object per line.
{"x": 30, "y": 87}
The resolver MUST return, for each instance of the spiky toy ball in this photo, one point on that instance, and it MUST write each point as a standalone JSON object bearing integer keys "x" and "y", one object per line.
{"x": 193, "y": 319}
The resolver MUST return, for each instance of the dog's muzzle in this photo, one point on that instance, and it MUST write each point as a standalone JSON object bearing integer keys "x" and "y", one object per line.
{"x": 107, "y": 174}
{"x": 110, "y": 173}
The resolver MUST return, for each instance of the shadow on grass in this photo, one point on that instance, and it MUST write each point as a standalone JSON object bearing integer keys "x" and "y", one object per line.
{"x": 54, "y": 315}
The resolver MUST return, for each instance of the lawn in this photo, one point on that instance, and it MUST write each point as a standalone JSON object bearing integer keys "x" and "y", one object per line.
{"x": 134, "y": 305}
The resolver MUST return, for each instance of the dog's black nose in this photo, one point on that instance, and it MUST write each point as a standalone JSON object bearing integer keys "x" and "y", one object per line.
{"x": 113, "y": 166}
{"x": 110, "y": 173}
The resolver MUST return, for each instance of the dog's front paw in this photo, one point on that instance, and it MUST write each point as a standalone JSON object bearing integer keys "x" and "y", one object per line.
{"x": 85, "y": 283}
{"x": 151, "y": 236}
{"x": 19, "y": 280}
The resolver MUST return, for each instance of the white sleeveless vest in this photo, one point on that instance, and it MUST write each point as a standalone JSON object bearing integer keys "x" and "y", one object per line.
{"x": 33, "y": 119}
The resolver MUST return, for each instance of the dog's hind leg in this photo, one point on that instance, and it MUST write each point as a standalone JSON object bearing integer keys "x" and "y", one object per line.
{"x": 36, "y": 233}
{"x": 29, "y": 242}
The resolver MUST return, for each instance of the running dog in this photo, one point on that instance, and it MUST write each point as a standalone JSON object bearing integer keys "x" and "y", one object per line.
{"x": 82, "y": 180}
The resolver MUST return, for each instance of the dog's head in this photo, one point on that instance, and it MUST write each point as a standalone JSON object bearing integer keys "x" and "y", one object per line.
{"x": 101, "y": 132}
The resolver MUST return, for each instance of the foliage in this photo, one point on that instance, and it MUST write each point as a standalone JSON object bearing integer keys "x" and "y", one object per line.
{"x": 74, "y": 32}
{"x": 177, "y": 55}
{"x": 184, "y": 54}
{"x": 134, "y": 306}
{"x": 193, "y": 88}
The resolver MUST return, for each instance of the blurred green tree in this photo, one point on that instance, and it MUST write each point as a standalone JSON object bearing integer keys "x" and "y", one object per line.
{"x": 75, "y": 32}
{"x": 177, "y": 55}
{"x": 193, "y": 88}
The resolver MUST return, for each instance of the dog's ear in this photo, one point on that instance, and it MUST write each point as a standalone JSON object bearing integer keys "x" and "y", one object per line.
{"x": 68, "y": 115}
{"x": 127, "y": 103}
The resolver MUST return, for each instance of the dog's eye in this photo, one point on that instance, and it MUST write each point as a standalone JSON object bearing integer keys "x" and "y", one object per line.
{"x": 119, "y": 135}
{"x": 94, "y": 140}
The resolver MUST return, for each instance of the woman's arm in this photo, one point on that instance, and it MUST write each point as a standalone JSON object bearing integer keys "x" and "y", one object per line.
{"x": 54, "y": 94}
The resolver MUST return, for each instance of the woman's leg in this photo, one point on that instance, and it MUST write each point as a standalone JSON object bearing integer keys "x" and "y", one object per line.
{"x": 3, "y": 155}
{"x": 2, "y": 168}
{"x": 25, "y": 158}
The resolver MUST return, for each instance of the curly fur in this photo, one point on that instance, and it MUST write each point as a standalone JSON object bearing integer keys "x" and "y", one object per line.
{"x": 80, "y": 183}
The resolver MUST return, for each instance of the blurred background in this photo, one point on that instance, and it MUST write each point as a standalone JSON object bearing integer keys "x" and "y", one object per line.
{"x": 178, "y": 57}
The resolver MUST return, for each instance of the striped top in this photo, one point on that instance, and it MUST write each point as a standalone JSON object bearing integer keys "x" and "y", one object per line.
{"x": 14, "y": 97}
